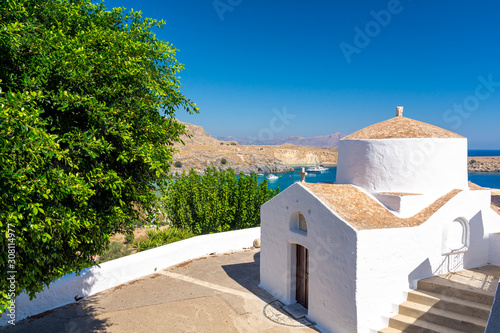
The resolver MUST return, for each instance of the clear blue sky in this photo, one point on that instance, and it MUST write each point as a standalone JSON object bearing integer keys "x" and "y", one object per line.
{"x": 335, "y": 66}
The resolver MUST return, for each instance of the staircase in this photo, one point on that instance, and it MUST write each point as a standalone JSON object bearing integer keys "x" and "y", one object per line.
{"x": 455, "y": 302}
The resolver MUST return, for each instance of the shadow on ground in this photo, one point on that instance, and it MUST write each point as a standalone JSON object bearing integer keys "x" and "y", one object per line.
{"x": 248, "y": 276}
{"x": 79, "y": 317}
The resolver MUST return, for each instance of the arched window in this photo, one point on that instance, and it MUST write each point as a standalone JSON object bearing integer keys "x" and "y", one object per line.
{"x": 456, "y": 237}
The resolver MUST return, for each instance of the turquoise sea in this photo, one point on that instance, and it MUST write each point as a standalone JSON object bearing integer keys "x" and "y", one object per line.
{"x": 491, "y": 180}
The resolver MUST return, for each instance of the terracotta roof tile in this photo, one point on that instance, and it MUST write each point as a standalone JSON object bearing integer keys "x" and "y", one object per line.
{"x": 363, "y": 212}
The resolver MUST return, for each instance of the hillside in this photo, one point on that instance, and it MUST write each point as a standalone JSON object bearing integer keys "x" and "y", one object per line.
{"x": 331, "y": 140}
{"x": 202, "y": 150}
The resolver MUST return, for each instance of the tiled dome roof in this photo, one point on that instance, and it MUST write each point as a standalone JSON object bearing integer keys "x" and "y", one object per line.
{"x": 401, "y": 127}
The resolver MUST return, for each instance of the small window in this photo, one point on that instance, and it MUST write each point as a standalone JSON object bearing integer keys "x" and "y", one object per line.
{"x": 302, "y": 223}
{"x": 298, "y": 223}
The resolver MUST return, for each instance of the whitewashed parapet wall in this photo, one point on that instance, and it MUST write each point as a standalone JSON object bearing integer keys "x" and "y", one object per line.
{"x": 113, "y": 273}
{"x": 415, "y": 165}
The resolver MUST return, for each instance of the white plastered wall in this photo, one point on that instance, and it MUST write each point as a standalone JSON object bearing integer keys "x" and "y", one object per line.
{"x": 420, "y": 165}
{"x": 390, "y": 261}
{"x": 332, "y": 258}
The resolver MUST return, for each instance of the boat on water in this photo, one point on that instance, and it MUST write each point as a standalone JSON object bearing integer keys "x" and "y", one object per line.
{"x": 318, "y": 168}
{"x": 272, "y": 177}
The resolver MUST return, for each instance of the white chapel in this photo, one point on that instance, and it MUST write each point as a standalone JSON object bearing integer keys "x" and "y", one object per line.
{"x": 401, "y": 210}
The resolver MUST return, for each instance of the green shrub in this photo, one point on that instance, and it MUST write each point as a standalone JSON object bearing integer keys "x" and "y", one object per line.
{"x": 216, "y": 201}
{"x": 473, "y": 161}
{"x": 116, "y": 250}
{"x": 178, "y": 164}
{"x": 223, "y": 161}
{"x": 233, "y": 143}
{"x": 162, "y": 237}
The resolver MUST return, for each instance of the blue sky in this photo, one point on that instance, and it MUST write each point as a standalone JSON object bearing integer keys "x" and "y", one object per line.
{"x": 276, "y": 68}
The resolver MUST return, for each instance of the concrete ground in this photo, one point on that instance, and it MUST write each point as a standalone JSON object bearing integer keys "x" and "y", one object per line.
{"x": 218, "y": 293}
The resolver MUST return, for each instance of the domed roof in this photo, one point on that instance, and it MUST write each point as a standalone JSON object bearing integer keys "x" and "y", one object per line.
{"x": 401, "y": 127}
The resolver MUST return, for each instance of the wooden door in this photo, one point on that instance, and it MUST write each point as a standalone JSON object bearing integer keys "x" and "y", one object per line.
{"x": 302, "y": 276}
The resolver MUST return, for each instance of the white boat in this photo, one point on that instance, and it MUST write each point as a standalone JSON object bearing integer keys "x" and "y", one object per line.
{"x": 318, "y": 168}
{"x": 271, "y": 177}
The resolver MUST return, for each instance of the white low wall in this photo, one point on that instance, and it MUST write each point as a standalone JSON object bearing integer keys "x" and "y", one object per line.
{"x": 113, "y": 273}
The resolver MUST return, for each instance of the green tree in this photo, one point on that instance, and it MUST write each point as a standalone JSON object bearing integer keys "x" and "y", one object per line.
{"x": 88, "y": 99}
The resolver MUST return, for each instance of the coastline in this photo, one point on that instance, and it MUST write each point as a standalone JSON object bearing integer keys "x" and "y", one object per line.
{"x": 483, "y": 164}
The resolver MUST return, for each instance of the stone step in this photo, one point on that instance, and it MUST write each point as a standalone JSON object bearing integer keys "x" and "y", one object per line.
{"x": 390, "y": 330}
{"x": 440, "y": 317}
{"x": 454, "y": 302}
{"x": 455, "y": 289}
{"x": 448, "y": 303}
{"x": 411, "y": 325}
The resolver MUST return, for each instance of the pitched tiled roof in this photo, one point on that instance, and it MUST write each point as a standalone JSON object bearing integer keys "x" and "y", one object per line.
{"x": 363, "y": 212}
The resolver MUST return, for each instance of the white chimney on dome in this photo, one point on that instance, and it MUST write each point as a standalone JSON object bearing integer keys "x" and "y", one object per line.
{"x": 399, "y": 111}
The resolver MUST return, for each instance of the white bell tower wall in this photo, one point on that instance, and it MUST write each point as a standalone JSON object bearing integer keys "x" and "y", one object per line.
{"x": 408, "y": 165}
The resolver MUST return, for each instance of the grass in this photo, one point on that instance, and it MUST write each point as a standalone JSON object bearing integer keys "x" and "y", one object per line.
{"x": 153, "y": 238}
{"x": 116, "y": 250}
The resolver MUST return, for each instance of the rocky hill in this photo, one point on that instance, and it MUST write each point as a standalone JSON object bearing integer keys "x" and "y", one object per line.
{"x": 331, "y": 140}
{"x": 202, "y": 150}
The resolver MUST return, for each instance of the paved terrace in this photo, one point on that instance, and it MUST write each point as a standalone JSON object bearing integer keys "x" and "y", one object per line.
{"x": 218, "y": 293}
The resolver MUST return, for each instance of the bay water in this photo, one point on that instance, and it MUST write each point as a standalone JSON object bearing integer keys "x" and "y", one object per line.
{"x": 485, "y": 179}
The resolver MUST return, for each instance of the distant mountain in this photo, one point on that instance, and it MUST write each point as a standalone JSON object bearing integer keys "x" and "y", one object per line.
{"x": 331, "y": 140}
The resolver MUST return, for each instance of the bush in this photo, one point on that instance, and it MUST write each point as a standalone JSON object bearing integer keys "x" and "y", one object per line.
{"x": 162, "y": 237}
{"x": 216, "y": 201}
{"x": 178, "y": 164}
{"x": 116, "y": 250}
{"x": 233, "y": 143}
{"x": 129, "y": 238}
{"x": 223, "y": 161}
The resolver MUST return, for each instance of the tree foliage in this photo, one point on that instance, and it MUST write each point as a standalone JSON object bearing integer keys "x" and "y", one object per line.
{"x": 216, "y": 201}
{"x": 83, "y": 140}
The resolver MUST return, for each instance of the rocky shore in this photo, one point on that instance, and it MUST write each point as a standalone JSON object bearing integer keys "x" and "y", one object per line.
{"x": 202, "y": 150}
{"x": 484, "y": 164}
